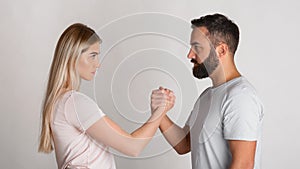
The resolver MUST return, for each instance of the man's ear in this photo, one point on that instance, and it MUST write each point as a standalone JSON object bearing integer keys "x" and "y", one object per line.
{"x": 222, "y": 50}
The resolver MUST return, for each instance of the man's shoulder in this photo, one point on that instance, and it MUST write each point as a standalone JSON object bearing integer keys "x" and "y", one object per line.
{"x": 241, "y": 87}
{"x": 243, "y": 93}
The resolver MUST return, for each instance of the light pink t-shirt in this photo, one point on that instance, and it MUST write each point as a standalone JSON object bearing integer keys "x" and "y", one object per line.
{"x": 74, "y": 148}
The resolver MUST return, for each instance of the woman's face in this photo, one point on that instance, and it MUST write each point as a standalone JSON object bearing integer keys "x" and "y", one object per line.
{"x": 89, "y": 62}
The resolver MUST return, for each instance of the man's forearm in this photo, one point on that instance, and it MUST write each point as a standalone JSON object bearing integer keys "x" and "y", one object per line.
{"x": 242, "y": 165}
{"x": 177, "y": 137}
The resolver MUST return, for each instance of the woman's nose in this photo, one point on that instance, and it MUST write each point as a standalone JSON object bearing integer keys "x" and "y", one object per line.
{"x": 97, "y": 65}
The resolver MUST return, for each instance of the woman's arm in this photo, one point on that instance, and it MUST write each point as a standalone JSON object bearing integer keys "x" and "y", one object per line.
{"x": 109, "y": 133}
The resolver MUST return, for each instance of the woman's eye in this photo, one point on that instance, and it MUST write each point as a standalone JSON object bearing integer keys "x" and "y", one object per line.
{"x": 93, "y": 56}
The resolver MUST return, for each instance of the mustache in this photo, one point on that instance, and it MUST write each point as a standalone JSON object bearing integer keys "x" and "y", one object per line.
{"x": 194, "y": 61}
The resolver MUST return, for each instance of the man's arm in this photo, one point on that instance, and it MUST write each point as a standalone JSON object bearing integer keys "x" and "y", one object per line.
{"x": 178, "y": 138}
{"x": 243, "y": 154}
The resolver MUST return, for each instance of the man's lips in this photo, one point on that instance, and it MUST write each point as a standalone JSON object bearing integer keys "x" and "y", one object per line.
{"x": 195, "y": 62}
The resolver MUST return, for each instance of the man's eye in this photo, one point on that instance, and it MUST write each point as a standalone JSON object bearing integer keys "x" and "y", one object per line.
{"x": 198, "y": 49}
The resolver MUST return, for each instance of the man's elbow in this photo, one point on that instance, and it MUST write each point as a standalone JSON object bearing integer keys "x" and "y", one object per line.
{"x": 245, "y": 165}
{"x": 182, "y": 151}
{"x": 249, "y": 165}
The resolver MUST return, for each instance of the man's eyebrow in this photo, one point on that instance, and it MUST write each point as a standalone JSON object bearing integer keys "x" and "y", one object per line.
{"x": 195, "y": 43}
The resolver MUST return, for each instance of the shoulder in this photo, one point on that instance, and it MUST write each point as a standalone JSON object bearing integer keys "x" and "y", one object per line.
{"x": 241, "y": 89}
{"x": 81, "y": 111}
{"x": 241, "y": 94}
{"x": 76, "y": 95}
{"x": 77, "y": 98}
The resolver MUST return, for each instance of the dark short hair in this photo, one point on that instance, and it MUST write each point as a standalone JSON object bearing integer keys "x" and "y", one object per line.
{"x": 221, "y": 29}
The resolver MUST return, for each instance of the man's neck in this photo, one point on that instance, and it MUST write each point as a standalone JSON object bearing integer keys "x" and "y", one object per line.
{"x": 224, "y": 74}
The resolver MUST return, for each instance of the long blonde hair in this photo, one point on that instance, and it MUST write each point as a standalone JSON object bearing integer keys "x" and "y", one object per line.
{"x": 63, "y": 75}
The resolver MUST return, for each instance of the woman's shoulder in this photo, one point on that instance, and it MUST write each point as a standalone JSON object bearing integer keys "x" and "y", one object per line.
{"x": 77, "y": 97}
{"x": 74, "y": 93}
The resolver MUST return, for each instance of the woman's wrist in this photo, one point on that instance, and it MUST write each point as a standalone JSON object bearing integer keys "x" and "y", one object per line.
{"x": 157, "y": 114}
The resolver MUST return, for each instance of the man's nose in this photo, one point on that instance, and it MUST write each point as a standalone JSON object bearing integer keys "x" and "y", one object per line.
{"x": 191, "y": 54}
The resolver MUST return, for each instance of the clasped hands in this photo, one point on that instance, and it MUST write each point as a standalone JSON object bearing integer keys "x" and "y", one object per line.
{"x": 162, "y": 100}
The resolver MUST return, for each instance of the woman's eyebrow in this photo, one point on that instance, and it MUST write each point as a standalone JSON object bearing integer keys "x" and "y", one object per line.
{"x": 94, "y": 53}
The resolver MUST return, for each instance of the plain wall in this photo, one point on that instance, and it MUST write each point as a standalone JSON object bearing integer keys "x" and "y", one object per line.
{"x": 267, "y": 55}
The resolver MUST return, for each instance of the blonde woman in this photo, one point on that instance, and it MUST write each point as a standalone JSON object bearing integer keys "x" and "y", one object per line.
{"x": 72, "y": 123}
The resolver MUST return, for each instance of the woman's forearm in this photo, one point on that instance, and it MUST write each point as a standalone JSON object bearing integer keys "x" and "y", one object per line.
{"x": 108, "y": 132}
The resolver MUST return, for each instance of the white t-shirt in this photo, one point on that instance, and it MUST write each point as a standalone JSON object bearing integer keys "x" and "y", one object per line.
{"x": 74, "y": 113}
{"x": 231, "y": 111}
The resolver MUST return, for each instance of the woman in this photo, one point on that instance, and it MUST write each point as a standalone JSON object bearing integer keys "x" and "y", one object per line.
{"x": 80, "y": 131}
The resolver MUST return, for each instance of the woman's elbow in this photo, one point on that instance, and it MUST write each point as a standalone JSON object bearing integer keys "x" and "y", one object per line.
{"x": 133, "y": 152}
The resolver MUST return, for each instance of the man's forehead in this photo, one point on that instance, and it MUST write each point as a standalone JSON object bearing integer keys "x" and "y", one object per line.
{"x": 200, "y": 31}
{"x": 199, "y": 34}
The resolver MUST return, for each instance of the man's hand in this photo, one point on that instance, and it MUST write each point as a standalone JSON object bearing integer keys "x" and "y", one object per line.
{"x": 162, "y": 98}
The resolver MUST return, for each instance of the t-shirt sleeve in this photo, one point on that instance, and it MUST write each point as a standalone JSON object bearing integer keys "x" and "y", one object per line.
{"x": 81, "y": 111}
{"x": 242, "y": 118}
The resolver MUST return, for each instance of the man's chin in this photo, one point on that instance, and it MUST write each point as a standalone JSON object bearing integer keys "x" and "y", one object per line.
{"x": 201, "y": 77}
{"x": 199, "y": 74}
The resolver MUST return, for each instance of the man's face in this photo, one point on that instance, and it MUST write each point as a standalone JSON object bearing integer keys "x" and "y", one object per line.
{"x": 202, "y": 54}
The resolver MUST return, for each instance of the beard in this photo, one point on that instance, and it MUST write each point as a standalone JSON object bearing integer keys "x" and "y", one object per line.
{"x": 207, "y": 67}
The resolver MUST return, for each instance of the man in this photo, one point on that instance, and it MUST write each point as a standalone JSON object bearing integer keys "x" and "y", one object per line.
{"x": 223, "y": 131}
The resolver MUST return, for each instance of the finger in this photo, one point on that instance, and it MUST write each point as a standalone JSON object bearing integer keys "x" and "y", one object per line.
{"x": 162, "y": 105}
{"x": 156, "y": 91}
{"x": 157, "y": 102}
{"x": 169, "y": 98}
{"x": 173, "y": 99}
{"x": 159, "y": 99}
{"x": 167, "y": 90}
{"x": 160, "y": 90}
{"x": 159, "y": 96}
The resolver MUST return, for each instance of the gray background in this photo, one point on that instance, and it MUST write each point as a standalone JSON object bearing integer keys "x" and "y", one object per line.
{"x": 267, "y": 56}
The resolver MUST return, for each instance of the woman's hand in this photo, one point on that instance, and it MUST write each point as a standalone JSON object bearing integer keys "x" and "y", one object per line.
{"x": 163, "y": 99}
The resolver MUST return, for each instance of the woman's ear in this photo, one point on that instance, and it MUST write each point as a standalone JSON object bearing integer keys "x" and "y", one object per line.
{"x": 222, "y": 50}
